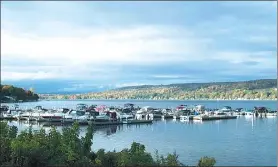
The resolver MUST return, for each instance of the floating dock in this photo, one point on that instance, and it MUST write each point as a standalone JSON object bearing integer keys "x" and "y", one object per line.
{"x": 217, "y": 117}
{"x": 105, "y": 123}
{"x": 137, "y": 121}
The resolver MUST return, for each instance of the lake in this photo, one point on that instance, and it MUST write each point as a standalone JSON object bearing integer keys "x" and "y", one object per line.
{"x": 238, "y": 142}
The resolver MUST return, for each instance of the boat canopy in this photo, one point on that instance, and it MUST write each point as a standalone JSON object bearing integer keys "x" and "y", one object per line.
{"x": 126, "y": 110}
{"x": 100, "y": 108}
{"x": 147, "y": 108}
{"x": 140, "y": 111}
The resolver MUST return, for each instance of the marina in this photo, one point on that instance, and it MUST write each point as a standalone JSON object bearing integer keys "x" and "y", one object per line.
{"x": 248, "y": 137}
{"x": 173, "y": 125}
{"x": 128, "y": 113}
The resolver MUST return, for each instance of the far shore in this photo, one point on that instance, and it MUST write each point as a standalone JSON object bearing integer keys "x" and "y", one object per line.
{"x": 159, "y": 99}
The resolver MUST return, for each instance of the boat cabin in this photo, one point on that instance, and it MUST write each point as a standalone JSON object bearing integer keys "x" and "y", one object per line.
{"x": 94, "y": 113}
{"x": 261, "y": 109}
{"x": 92, "y": 107}
{"x": 238, "y": 109}
{"x": 126, "y": 110}
{"x": 226, "y": 109}
{"x": 181, "y": 107}
{"x": 65, "y": 110}
{"x": 38, "y": 108}
{"x": 200, "y": 108}
{"x": 4, "y": 108}
{"x": 147, "y": 109}
{"x": 129, "y": 105}
{"x": 112, "y": 115}
{"x": 81, "y": 106}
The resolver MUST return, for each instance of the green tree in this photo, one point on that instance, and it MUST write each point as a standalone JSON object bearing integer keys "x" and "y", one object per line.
{"x": 206, "y": 162}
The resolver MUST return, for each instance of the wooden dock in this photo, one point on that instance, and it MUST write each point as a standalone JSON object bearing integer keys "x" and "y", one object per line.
{"x": 137, "y": 121}
{"x": 216, "y": 117}
{"x": 105, "y": 123}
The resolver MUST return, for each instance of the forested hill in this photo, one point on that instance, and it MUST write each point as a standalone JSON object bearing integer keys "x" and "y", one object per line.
{"x": 10, "y": 93}
{"x": 264, "y": 89}
{"x": 248, "y": 85}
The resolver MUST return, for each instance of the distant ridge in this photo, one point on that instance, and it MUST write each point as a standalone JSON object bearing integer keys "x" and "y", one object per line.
{"x": 261, "y": 89}
{"x": 251, "y": 84}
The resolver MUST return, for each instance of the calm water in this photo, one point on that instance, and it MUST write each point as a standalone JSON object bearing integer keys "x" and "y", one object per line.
{"x": 243, "y": 141}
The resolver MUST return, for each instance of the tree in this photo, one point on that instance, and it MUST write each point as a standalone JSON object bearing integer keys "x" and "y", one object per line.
{"x": 41, "y": 149}
{"x": 206, "y": 162}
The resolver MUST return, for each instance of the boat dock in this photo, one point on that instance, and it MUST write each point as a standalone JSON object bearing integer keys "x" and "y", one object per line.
{"x": 105, "y": 115}
{"x": 137, "y": 121}
{"x": 216, "y": 117}
{"x": 105, "y": 123}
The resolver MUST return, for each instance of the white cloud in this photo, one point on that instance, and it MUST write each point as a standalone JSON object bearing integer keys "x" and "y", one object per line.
{"x": 80, "y": 52}
{"x": 79, "y": 57}
{"x": 137, "y": 45}
{"x": 101, "y": 47}
{"x": 264, "y": 59}
{"x": 28, "y": 75}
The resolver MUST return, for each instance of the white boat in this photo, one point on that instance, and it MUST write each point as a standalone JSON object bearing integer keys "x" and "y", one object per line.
{"x": 226, "y": 109}
{"x": 105, "y": 119}
{"x": 125, "y": 115}
{"x": 249, "y": 114}
{"x": 81, "y": 107}
{"x": 184, "y": 118}
{"x": 135, "y": 121}
{"x": 79, "y": 116}
{"x": 50, "y": 117}
{"x": 7, "y": 116}
{"x": 23, "y": 115}
{"x": 144, "y": 116}
{"x": 271, "y": 114}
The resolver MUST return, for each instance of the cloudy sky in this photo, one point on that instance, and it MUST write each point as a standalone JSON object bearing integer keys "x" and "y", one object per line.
{"x": 89, "y": 46}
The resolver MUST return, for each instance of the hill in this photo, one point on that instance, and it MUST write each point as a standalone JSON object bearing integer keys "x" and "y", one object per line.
{"x": 10, "y": 93}
{"x": 250, "y": 85}
{"x": 265, "y": 89}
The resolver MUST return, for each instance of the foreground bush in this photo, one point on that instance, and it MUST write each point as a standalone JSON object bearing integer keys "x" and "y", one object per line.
{"x": 40, "y": 149}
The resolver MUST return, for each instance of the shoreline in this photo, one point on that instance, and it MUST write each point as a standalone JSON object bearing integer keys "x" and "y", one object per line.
{"x": 158, "y": 100}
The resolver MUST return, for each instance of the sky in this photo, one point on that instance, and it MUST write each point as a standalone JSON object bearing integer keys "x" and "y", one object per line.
{"x": 71, "y": 46}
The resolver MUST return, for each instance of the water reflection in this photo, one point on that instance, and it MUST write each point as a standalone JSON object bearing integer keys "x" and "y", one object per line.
{"x": 191, "y": 122}
{"x": 230, "y": 136}
{"x": 106, "y": 130}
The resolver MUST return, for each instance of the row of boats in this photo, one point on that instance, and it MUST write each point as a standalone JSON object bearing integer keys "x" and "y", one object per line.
{"x": 104, "y": 115}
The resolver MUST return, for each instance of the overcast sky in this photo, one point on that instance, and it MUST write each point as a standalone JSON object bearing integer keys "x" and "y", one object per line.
{"x": 96, "y": 45}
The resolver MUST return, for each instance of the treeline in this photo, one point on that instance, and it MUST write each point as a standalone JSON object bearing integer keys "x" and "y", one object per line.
{"x": 10, "y": 93}
{"x": 248, "y": 90}
{"x": 40, "y": 149}
{"x": 247, "y": 85}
